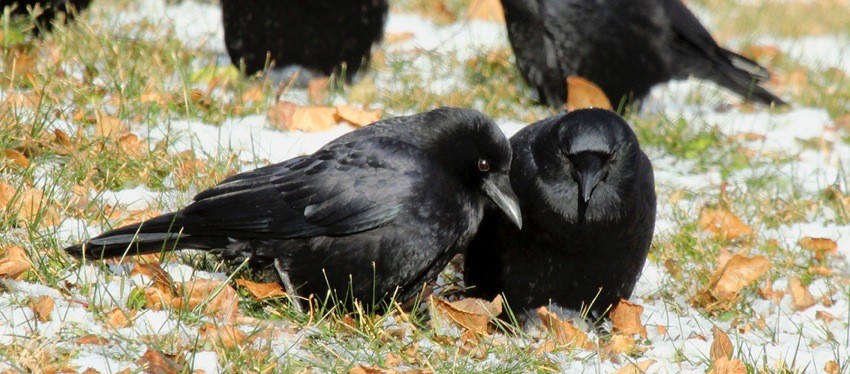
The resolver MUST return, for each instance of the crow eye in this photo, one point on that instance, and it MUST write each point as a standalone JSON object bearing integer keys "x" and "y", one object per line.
{"x": 483, "y": 164}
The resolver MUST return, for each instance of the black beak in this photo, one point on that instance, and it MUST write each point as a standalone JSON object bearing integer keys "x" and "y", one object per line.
{"x": 588, "y": 172}
{"x": 498, "y": 187}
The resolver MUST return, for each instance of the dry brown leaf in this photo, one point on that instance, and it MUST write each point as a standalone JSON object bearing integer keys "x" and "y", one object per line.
{"x": 42, "y": 306}
{"x": 262, "y": 291}
{"x": 831, "y": 367}
{"x": 118, "y": 318}
{"x": 662, "y": 330}
{"x": 7, "y": 193}
{"x": 723, "y": 224}
{"x": 486, "y": 10}
{"x": 154, "y": 362}
{"x": 108, "y": 125}
{"x": 254, "y": 93}
{"x": 357, "y": 117}
{"x": 156, "y": 299}
{"x": 290, "y": 117}
{"x": 17, "y": 158}
{"x": 226, "y": 336}
{"x": 360, "y": 369}
{"x": 397, "y": 37}
{"x": 317, "y": 90}
{"x": 130, "y": 144}
{"x": 803, "y": 299}
{"x": 738, "y": 273}
{"x": 92, "y": 339}
{"x": 392, "y": 360}
{"x": 14, "y": 262}
{"x": 626, "y": 319}
{"x": 34, "y": 205}
{"x": 820, "y": 246}
{"x": 472, "y": 314}
{"x": 721, "y": 346}
{"x": 621, "y": 344}
{"x": 564, "y": 331}
{"x": 636, "y": 368}
{"x": 583, "y": 94}
{"x": 90, "y": 371}
{"x": 161, "y": 280}
{"x": 727, "y": 366}
{"x": 824, "y": 316}
{"x": 218, "y": 298}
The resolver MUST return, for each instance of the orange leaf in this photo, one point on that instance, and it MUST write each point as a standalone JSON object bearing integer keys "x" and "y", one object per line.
{"x": 824, "y": 316}
{"x": 290, "y": 117}
{"x": 621, "y": 344}
{"x": 803, "y": 299}
{"x": 396, "y": 37}
{"x": 486, "y": 10}
{"x": 130, "y": 144}
{"x": 626, "y": 319}
{"x": 472, "y": 314}
{"x": 14, "y": 262}
{"x": 723, "y": 224}
{"x": 42, "y": 306}
{"x": 217, "y": 298}
{"x": 92, "y": 339}
{"x": 638, "y": 368}
{"x": 7, "y": 193}
{"x": 564, "y": 331}
{"x": 727, "y": 366}
{"x": 161, "y": 280}
{"x": 357, "y": 117}
{"x": 262, "y": 291}
{"x": 108, "y": 126}
{"x": 831, "y": 367}
{"x": 583, "y": 94}
{"x": 159, "y": 363}
{"x": 721, "y": 346}
{"x": 226, "y": 336}
{"x": 17, "y": 158}
{"x": 118, "y": 318}
{"x": 820, "y": 246}
{"x": 739, "y": 272}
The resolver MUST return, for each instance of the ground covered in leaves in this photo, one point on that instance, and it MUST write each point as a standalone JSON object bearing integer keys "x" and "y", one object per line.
{"x": 135, "y": 108}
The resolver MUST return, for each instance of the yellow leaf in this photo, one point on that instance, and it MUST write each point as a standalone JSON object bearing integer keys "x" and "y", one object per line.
{"x": 357, "y": 117}
{"x": 42, "y": 306}
{"x": 261, "y": 291}
{"x": 803, "y": 299}
{"x": 637, "y": 368}
{"x": 564, "y": 331}
{"x": 584, "y": 94}
{"x": 721, "y": 346}
{"x": 14, "y": 262}
{"x": 472, "y": 314}
{"x": 626, "y": 319}
{"x": 723, "y": 224}
{"x": 727, "y": 366}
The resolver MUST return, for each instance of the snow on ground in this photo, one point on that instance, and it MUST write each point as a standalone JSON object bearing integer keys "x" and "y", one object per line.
{"x": 682, "y": 348}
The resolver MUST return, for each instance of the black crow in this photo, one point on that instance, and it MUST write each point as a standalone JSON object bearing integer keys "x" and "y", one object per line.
{"x": 50, "y": 9}
{"x": 377, "y": 211}
{"x": 587, "y": 195}
{"x": 624, "y": 46}
{"x": 320, "y": 35}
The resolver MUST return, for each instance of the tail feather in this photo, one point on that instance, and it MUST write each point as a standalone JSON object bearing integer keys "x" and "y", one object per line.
{"x": 163, "y": 233}
{"x": 744, "y": 76}
{"x": 756, "y": 71}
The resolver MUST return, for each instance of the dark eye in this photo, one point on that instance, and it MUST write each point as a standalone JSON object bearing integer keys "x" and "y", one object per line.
{"x": 483, "y": 165}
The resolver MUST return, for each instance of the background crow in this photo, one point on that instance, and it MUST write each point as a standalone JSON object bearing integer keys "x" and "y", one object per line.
{"x": 319, "y": 35}
{"x": 51, "y": 8}
{"x": 379, "y": 210}
{"x": 624, "y": 46}
{"x": 587, "y": 195}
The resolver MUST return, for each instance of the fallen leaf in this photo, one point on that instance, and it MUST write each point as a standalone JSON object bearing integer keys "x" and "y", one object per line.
{"x": 161, "y": 280}
{"x": 723, "y": 224}
{"x": 583, "y": 94}
{"x": 226, "y": 336}
{"x": 564, "y": 331}
{"x": 290, "y": 117}
{"x": 626, "y": 319}
{"x": 156, "y": 299}
{"x": 7, "y": 193}
{"x": 90, "y": 371}
{"x": 118, "y": 318}
{"x": 820, "y": 246}
{"x": 317, "y": 90}
{"x": 824, "y": 316}
{"x": 262, "y": 291}
{"x": 92, "y": 339}
{"x": 360, "y": 369}
{"x": 42, "y": 306}
{"x": 831, "y": 367}
{"x": 392, "y": 360}
{"x": 14, "y": 262}
{"x": 217, "y": 298}
{"x": 721, "y": 346}
{"x": 737, "y": 274}
{"x": 486, "y": 10}
{"x": 357, "y": 117}
{"x": 397, "y": 37}
{"x": 662, "y": 330}
{"x": 621, "y": 344}
{"x": 762, "y": 51}
{"x": 727, "y": 366}
{"x": 154, "y": 362}
{"x": 636, "y": 368}
{"x": 17, "y": 158}
{"x": 471, "y": 313}
{"x": 803, "y": 299}
{"x": 130, "y": 144}
{"x": 108, "y": 126}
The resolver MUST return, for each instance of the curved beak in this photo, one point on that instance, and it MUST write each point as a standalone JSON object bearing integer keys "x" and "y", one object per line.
{"x": 498, "y": 187}
{"x": 588, "y": 173}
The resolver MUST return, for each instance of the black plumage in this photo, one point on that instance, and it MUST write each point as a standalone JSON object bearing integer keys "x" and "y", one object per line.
{"x": 50, "y": 9}
{"x": 319, "y": 35}
{"x": 377, "y": 211}
{"x": 587, "y": 195}
{"x": 624, "y": 46}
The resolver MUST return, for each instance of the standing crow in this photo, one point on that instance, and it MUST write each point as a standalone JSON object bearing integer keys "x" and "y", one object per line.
{"x": 624, "y": 46}
{"x": 50, "y": 9}
{"x": 587, "y": 195}
{"x": 378, "y": 211}
{"x": 326, "y": 36}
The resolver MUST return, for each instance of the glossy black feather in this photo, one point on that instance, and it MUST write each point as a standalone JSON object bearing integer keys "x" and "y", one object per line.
{"x": 379, "y": 210}
{"x": 569, "y": 252}
{"x": 318, "y": 35}
{"x": 624, "y": 46}
{"x": 51, "y": 8}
